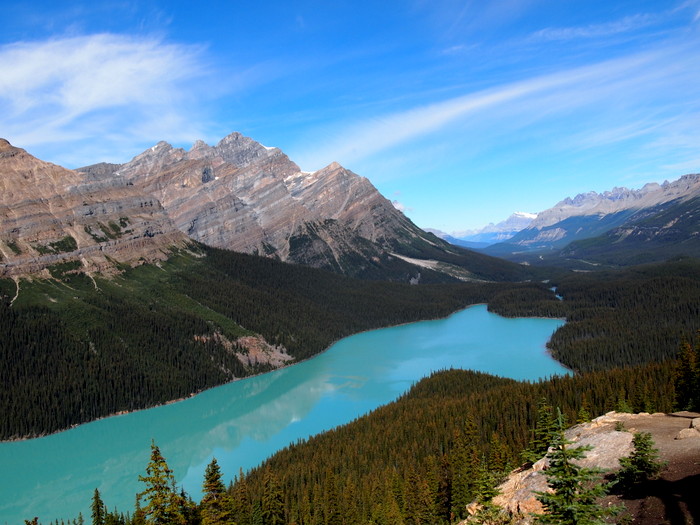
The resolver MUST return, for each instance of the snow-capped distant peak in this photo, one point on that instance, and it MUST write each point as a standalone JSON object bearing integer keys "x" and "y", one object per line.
{"x": 524, "y": 214}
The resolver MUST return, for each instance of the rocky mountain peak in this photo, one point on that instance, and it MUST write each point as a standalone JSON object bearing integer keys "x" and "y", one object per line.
{"x": 238, "y": 195}
{"x": 241, "y": 151}
{"x": 200, "y": 150}
{"x": 51, "y": 215}
{"x": 5, "y": 146}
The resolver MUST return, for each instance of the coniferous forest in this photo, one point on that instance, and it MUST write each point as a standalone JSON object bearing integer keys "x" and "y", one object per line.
{"x": 421, "y": 459}
{"x": 77, "y": 349}
{"x": 131, "y": 342}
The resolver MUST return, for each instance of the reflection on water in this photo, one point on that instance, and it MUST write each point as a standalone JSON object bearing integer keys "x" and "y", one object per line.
{"x": 243, "y": 422}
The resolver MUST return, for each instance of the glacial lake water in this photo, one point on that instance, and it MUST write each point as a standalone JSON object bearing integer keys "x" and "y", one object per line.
{"x": 244, "y": 422}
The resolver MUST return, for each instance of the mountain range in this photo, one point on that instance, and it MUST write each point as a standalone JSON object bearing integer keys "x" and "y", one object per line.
{"x": 618, "y": 227}
{"x": 489, "y": 234}
{"x": 237, "y": 195}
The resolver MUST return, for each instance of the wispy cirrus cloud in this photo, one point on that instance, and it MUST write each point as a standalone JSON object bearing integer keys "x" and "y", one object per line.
{"x": 100, "y": 89}
{"x": 624, "y": 25}
{"x": 632, "y": 80}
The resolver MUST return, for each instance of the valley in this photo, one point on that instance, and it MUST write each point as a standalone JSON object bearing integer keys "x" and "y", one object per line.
{"x": 127, "y": 286}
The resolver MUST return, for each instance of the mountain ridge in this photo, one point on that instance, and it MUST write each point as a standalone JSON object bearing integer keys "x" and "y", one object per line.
{"x": 244, "y": 196}
{"x": 569, "y": 229}
{"x": 263, "y": 203}
{"x": 237, "y": 195}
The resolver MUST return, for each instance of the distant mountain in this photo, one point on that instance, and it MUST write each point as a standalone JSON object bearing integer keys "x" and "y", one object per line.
{"x": 615, "y": 215}
{"x": 655, "y": 234}
{"x": 500, "y": 232}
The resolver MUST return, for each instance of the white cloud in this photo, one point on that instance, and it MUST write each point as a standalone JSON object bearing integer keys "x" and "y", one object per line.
{"x": 623, "y": 99}
{"x": 626, "y": 24}
{"x": 399, "y": 206}
{"x": 103, "y": 88}
{"x": 529, "y": 100}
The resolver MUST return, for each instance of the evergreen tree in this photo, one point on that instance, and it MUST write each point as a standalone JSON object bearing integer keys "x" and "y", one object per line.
{"x": 390, "y": 510}
{"x": 272, "y": 499}
{"x": 163, "y": 504}
{"x": 623, "y": 404}
{"x": 576, "y": 489}
{"x": 331, "y": 499}
{"x": 241, "y": 505}
{"x": 687, "y": 374}
{"x": 98, "y": 509}
{"x": 465, "y": 465}
{"x": 256, "y": 514}
{"x": 642, "y": 465}
{"x": 189, "y": 509}
{"x": 486, "y": 484}
{"x": 419, "y": 499}
{"x": 583, "y": 415}
{"x": 499, "y": 455}
{"x": 443, "y": 496}
{"x": 542, "y": 435}
{"x": 216, "y": 505}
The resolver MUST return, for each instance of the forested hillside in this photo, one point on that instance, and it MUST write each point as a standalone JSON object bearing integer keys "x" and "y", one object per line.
{"x": 447, "y": 441}
{"x": 627, "y": 317}
{"x": 77, "y": 348}
{"x": 420, "y": 459}
{"x": 453, "y": 435}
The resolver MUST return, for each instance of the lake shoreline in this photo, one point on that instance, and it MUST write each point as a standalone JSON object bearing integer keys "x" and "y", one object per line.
{"x": 242, "y": 423}
{"x": 196, "y": 393}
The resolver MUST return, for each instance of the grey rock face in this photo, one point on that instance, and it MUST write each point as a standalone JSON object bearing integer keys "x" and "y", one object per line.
{"x": 50, "y": 215}
{"x": 243, "y": 196}
{"x": 618, "y": 200}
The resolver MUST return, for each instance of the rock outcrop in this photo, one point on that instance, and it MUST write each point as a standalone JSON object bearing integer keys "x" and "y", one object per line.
{"x": 50, "y": 215}
{"x": 677, "y": 437}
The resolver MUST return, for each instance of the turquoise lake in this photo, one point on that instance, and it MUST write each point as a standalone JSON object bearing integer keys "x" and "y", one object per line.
{"x": 244, "y": 422}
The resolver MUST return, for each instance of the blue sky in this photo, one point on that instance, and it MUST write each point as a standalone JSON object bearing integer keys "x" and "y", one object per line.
{"x": 460, "y": 111}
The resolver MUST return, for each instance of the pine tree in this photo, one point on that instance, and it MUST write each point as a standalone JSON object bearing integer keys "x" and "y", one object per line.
{"x": 216, "y": 505}
{"x": 98, "y": 509}
{"x": 272, "y": 499}
{"x": 543, "y": 433}
{"x": 465, "y": 465}
{"x": 331, "y": 499}
{"x": 163, "y": 503}
{"x": 642, "y": 465}
{"x": 499, "y": 455}
{"x": 419, "y": 499}
{"x": 583, "y": 415}
{"x": 687, "y": 372}
{"x": 443, "y": 495}
{"x": 241, "y": 505}
{"x": 576, "y": 489}
{"x": 256, "y": 514}
{"x": 623, "y": 404}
